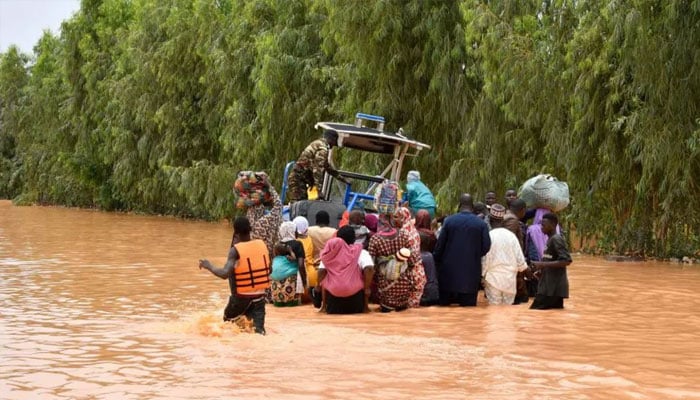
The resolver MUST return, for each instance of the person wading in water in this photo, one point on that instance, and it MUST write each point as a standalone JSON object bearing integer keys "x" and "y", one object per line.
{"x": 248, "y": 272}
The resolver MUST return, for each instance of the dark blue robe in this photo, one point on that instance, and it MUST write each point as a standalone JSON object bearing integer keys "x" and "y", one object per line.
{"x": 464, "y": 239}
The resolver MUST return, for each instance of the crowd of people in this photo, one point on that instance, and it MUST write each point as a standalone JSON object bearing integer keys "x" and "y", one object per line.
{"x": 402, "y": 259}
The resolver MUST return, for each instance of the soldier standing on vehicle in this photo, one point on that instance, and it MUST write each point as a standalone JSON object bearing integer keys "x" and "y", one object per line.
{"x": 310, "y": 166}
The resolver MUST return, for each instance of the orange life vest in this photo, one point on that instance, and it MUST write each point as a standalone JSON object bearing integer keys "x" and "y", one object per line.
{"x": 252, "y": 271}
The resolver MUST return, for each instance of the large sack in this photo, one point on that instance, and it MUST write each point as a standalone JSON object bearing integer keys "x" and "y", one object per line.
{"x": 252, "y": 189}
{"x": 545, "y": 191}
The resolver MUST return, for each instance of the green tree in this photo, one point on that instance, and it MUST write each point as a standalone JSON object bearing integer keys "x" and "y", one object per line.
{"x": 13, "y": 78}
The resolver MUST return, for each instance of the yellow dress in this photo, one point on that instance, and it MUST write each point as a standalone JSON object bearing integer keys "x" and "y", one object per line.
{"x": 311, "y": 269}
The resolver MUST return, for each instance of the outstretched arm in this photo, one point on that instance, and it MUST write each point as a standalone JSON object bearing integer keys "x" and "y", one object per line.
{"x": 225, "y": 271}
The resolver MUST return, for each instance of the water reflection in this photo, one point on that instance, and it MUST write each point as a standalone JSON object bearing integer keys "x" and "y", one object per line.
{"x": 112, "y": 306}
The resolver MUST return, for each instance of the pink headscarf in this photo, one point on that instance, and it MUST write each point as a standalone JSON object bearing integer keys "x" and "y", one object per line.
{"x": 343, "y": 275}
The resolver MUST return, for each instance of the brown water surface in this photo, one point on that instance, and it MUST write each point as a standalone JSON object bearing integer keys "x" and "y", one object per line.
{"x": 109, "y": 306}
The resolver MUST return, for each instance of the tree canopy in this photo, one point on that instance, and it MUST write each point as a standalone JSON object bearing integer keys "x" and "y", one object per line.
{"x": 154, "y": 105}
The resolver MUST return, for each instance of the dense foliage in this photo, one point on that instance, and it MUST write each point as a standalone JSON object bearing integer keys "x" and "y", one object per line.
{"x": 154, "y": 105}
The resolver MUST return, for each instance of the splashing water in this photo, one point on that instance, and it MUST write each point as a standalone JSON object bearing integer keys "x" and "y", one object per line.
{"x": 113, "y": 306}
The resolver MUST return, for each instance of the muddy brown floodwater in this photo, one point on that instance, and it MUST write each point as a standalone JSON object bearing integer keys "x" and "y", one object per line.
{"x": 109, "y": 306}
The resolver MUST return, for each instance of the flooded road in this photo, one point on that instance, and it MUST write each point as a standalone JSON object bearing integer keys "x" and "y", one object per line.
{"x": 110, "y": 306}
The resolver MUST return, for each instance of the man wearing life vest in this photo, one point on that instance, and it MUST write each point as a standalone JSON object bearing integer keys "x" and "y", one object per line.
{"x": 248, "y": 270}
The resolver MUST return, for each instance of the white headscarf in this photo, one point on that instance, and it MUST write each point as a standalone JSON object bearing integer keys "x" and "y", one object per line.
{"x": 287, "y": 231}
{"x": 413, "y": 176}
{"x": 302, "y": 224}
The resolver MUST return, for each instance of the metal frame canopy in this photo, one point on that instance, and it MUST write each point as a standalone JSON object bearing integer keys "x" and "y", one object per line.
{"x": 375, "y": 141}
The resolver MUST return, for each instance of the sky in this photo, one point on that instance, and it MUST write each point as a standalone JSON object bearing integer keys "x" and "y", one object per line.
{"x": 22, "y": 22}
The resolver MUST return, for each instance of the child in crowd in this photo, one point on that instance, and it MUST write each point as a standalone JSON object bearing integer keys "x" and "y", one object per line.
{"x": 393, "y": 266}
{"x": 284, "y": 276}
{"x": 553, "y": 285}
{"x": 357, "y": 222}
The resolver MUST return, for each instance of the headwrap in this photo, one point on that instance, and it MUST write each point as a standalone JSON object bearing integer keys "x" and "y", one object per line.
{"x": 371, "y": 221}
{"x": 426, "y": 234}
{"x": 287, "y": 231}
{"x": 404, "y": 214}
{"x": 302, "y": 224}
{"x": 423, "y": 220}
{"x": 344, "y": 277}
{"x": 413, "y": 176}
{"x": 385, "y": 225}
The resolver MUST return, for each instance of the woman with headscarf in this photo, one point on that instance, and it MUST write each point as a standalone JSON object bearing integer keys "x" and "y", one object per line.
{"x": 265, "y": 224}
{"x": 371, "y": 221}
{"x": 345, "y": 274}
{"x": 284, "y": 285}
{"x": 427, "y": 235}
{"x": 406, "y": 290}
{"x": 407, "y": 224}
{"x": 418, "y": 195}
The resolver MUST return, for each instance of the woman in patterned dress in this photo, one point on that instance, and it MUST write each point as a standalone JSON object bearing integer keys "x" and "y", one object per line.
{"x": 403, "y": 216}
{"x": 406, "y": 290}
{"x": 265, "y": 225}
{"x": 284, "y": 291}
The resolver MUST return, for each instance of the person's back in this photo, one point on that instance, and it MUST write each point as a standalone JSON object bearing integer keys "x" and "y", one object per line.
{"x": 356, "y": 220}
{"x": 345, "y": 274}
{"x": 463, "y": 241}
{"x": 431, "y": 294}
{"x": 247, "y": 269}
{"x": 283, "y": 267}
{"x": 319, "y": 234}
{"x": 461, "y": 234}
{"x": 501, "y": 265}
{"x": 418, "y": 195}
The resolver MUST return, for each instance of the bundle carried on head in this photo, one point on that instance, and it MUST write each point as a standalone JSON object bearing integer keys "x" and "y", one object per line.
{"x": 545, "y": 191}
{"x": 386, "y": 197}
{"x": 252, "y": 189}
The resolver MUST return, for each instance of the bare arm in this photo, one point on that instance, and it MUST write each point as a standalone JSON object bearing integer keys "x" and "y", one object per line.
{"x": 368, "y": 273}
{"x": 321, "y": 276}
{"x": 557, "y": 253}
{"x": 302, "y": 271}
{"x": 225, "y": 271}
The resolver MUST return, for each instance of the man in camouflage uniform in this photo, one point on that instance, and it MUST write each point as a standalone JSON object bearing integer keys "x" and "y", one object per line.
{"x": 310, "y": 166}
